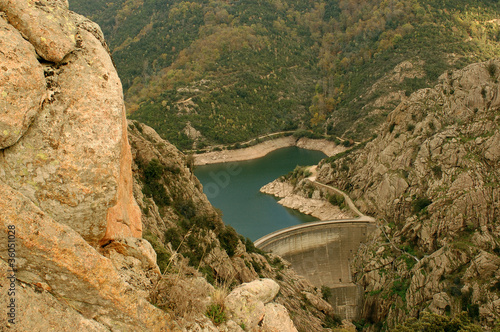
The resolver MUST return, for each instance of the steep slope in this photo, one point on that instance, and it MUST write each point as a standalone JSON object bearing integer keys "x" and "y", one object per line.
{"x": 231, "y": 70}
{"x": 432, "y": 177}
{"x": 208, "y": 72}
{"x": 376, "y": 53}
{"x": 66, "y": 180}
{"x": 198, "y": 254}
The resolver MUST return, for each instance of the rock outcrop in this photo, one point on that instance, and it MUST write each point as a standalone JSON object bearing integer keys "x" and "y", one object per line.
{"x": 245, "y": 304}
{"x": 22, "y": 85}
{"x": 432, "y": 176}
{"x": 66, "y": 180}
{"x": 70, "y": 275}
{"x": 74, "y": 161}
{"x": 46, "y": 24}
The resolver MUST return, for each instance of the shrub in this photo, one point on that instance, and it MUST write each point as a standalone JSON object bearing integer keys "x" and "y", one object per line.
{"x": 433, "y": 322}
{"x": 326, "y": 292}
{"x": 250, "y": 247}
{"x": 347, "y": 143}
{"x": 277, "y": 263}
{"x": 492, "y": 70}
{"x": 420, "y": 204}
{"x": 256, "y": 266}
{"x": 209, "y": 274}
{"x": 336, "y": 199}
{"x": 391, "y": 127}
{"x": 154, "y": 170}
{"x": 400, "y": 287}
{"x": 438, "y": 172}
{"x": 216, "y": 313}
{"x": 228, "y": 239}
{"x": 185, "y": 208}
{"x": 305, "y": 133}
{"x": 332, "y": 322}
{"x": 151, "y": 177}
{"x": 173, "y": 237}
{"x": 162, "y": 255}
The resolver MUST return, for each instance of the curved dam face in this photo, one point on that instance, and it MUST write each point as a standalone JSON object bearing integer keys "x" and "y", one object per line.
{"x": 322, "y": 252}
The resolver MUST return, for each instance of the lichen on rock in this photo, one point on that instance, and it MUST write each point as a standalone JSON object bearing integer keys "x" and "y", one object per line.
{"x": 46, "y": 24}
{"x": 22, "y": 85}
{"x": 74, "y": 162}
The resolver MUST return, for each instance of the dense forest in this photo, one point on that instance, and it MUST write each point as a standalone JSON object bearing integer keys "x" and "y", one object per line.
{"x": 213, "y": 71}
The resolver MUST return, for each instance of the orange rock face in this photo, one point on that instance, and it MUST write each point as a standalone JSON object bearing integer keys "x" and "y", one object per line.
{"x": 74, "y": 161}
{"x": 124, "y": 219}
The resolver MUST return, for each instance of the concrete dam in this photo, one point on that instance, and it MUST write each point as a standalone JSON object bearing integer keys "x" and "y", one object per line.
{"x": 322, "y": 252}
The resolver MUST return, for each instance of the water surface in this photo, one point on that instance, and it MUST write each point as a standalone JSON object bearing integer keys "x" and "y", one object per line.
{"x": 234, "y": 189}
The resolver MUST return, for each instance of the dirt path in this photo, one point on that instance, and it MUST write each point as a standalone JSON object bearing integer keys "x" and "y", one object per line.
{"x": 312, "y": 179}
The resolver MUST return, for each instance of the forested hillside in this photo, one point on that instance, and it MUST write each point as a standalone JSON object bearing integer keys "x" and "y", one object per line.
{"x": 209, "y": 71}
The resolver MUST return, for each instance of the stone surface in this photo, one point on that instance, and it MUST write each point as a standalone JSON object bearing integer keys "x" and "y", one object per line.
{"x": 485, "y": 265}
{"x": 300, "y": 200}
{"x": 46, "y": 24}
{"x": 439, "y": 303}
{"x": 432, "y": 175}
{"x": 39, "y": 310}
{"x": 245, "y": 304}
{"x": 277, "y": 319}
{"x": 22, "y": 85}
{"x": 264, "y": 290}
{"x": 319, "y": 303}
{"x": 230, "y": 326}
{"x": 75, "y": 161}
{"x": 66, "y": 184}
{"x": 74, "y": 273}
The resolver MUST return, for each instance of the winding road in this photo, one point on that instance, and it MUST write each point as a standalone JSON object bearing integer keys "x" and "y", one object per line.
{"x": 362, "y": 218}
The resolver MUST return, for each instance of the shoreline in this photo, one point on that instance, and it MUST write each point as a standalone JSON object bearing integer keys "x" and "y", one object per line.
{"x": 315, "y": 206}
{"x": 259, "y": 150}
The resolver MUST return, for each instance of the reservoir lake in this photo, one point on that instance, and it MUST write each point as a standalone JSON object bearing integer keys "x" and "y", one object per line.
{"x": 234, "y": 189}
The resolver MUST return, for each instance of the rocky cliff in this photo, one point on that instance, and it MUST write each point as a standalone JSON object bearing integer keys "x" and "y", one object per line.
{"x": 431, "y": 176}
{"x": 65, "y": 174}
{"x": 101, "y": 235}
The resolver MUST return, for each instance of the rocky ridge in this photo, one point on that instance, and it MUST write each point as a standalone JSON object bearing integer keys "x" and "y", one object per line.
{"x": 65, "y": 177}
{"x": 431, "y": 177}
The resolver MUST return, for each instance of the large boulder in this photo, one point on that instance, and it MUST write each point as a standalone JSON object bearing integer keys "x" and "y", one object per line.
{"x": 277, "y": 319}
{"x": 76, "y": 279}
{"x": 75, "y": 161}
{"x": 45, "y": 24}
{"x": 66, "y": 180}
{"x": 22, "y": 85}
{"x": 248, "y": 305}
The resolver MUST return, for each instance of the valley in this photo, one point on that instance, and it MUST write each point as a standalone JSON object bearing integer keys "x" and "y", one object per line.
{"x": 380, "y": 118}
{"x": 235, "y": 70}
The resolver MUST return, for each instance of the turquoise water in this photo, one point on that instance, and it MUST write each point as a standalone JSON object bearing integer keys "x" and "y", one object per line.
{"x": 234, "y": 189}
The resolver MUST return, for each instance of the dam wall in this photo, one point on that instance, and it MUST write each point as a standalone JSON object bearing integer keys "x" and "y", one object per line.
{"x": 322, "y": 252}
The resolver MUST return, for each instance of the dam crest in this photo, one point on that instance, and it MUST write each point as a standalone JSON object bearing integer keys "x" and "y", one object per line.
{"x": 322, "y": 252}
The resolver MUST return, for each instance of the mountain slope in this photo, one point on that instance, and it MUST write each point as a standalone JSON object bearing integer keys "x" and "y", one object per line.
{"x": 432, "y": 177}
{"x": 74, "y": 251}
{"x": 233, "y": 70}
